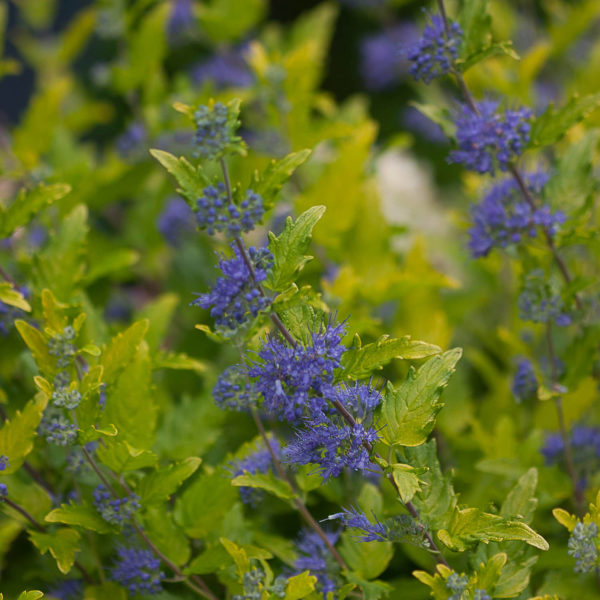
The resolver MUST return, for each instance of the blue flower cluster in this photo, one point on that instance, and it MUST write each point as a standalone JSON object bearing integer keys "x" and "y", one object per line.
{"x": 457, "y": 584}
{"x": 434, "y": 54}
{"x": 257, "y": 462}
{"x": 480, "y": 594}
{"x": 316, "y": 557}
{"x": 138, "y": 571}
{"x": 503, "y": 217}
{"x": 356, "y": 519}
{"x": 57, "y": 429}
{"x": 235, "y": 299}
{"x": 233, "y": 390}
{"x": 584, "y": 441}
{"x": 294, "y": 380}
{"x": 489, "y": 139}
{"x": 60, "y": 346}
{"x": 71, "y": 589}
{"x": 129, "y": 143}
{"x": 3, "y": 492}
{"x": 215, "y": 213}
{"x": 4, "y": 462}
{"x": 525, "y": 383}
{"x": 181, "y": 18}
{"x": 583, "y": 545}
{"x": 538, "y": 302}
{"x": 116, "y": 511}
{"x": 175, "y": 221}
{"x": 65, "y": 397}
{"x": 332, "y": 444}
{"x": 212, "y": 130}
{"x": 225, "y": 69}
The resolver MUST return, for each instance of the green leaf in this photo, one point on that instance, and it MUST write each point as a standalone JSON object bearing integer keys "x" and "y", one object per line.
{"x": 365, "y": 559}
{"x": 37, "y": 342}
{"x": 520, "y": 502}
{"x": 108, "y": 263}
{"x": 62, "y": 544}
{"x": 17, "y": 434}
{"x": 409, "y": 411}
{"x": 168, "y": 537}
{"x": 267, "y": 482}
{"x": 551, "y": 126}
{"x": 407, "y": 479}
{"x": 212, "y": 560}
{"x": 158, "y": 313}
{"x": 33, "y": 595}
{"x": 470, "y": 526}
{"x": 438, "y": 114}
{"x": 475, "y": 24}
{"x": 120, "y": 457}
{"x": 494, "y": 49}
{"x": 29, "y": 203}
{"x": 299, "y": 586}
{"x": 93, "y": 433}
{"x": 372, "y": 590}
{"x": 122, "y": 350}
{"x": 359, "y": 361}
{"x": 564, "y": 518}
{"x": 178, "y": 361}
{"x": 105, "y": 590}
{"x": 13, "y": 297}
{"x": 158, "y": 486}
{"x": 81, "y": 515}
{"x": 191, "y": 180}
{"x": 288, "y": 249}
{"x": 229, "y": 20}
{"x": 238, "y": 554}
{"x": 269, "y": 183}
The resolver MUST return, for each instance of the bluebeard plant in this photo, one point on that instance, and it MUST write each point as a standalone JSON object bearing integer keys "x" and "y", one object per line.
{"x": 490, "y": 139}
{"x": 457, "y": 584}
{"x": 583, "y": 545}
{"x": 57, "y": 429}
{"x": 175, "y": 222}
{"x": 539, "y": 303}
{"x": 504, "y": 217}
{"x": 433, "y": 55}
{"x": 61, "y": 347}
{"x": 235, "y": 300}
{"x": 65, "y": 397}
{"x": 212, "y": 130}
{"x": 116, "y": 511}
{"x": 130, "y": 142}
{"x": 4, "y": 462}
{"x": 314, "y": 555}
{"x": 525, "y": 382}
{"x": 71, "y": 589}
{"x": 215, "y": 213}
{"x": 259, "y": 461}
{"x": 356, "y": 519}
{"x": 234, "y": 391}
{"x": 138, "y": 571}
{"x": 181, "y": 19}
{"x": 224, "y": 69}
{"x": 3, "y": 491}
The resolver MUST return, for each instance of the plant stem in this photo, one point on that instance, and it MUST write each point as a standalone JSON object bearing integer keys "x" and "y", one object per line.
{"x": 579, "y": 497}
{"x": 201, "y": 589}
{"x": 511, "y": 167}
{"x": 42, "y": 529}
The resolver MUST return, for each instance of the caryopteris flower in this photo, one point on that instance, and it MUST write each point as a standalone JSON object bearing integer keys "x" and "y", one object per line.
{"x": 583, "y": 546}
{"x": 525, "y": 383}
{"x": 138, "y": 571}
{"x": 504, "y": 217}
{"x": 490, "y": 139}
{"x": 3, "y": 492}
{"x": 61, "y": 347}
{"x": 314, "y": 555}
{"x": 212, "y": 130}
{"x": 4, "y": 462}
{"x": 257, "y": 462}
{"x": 457, "y": 584}
{"x": 356, "y": 519}
{"x": 233, "y": 390}
{"x": 64, "y": 397}
{"x": 57, "y": 429}
{"x": 71, "y": 589}
{"x": 130, "y": 142}
{"x": 538, "y": 302}
{"x": 480, "y": 594}
{"x": 175, "y": 221}
{"x": 215, "y": 213}
{"x": 235, "y": 298}
{"x": 225, "y": 69}
{"x": 295, "y": 380}
{"x": 116, "y": 511}
{"x": 435, "y": 52}
{"x": 359, "y": 398}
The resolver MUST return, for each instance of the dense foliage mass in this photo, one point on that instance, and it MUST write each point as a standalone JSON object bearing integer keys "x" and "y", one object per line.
{"x": 255, "y": 343}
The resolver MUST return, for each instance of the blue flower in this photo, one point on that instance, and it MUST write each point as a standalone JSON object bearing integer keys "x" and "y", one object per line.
{"x": 233, "y": 389}
{"x": 294, "y": 380}
{"x": 181, "y": 18}
{"x": 57, "y": 429}
{"x": 71, "y": 589}
{"x": 480, "y": 594}
{"x": 504, "y": 217}
{"x": 360, "y": 399}
{"x": 4, "y": 462}
{"x": 489, "y": 139}
{"x": 332, "y": 445}
{"x": 525, "y": 383}
{"x": 457, "y": 584}
{"x": 356, "y": 519}
{"x": 235, "y": 299}
{"x": 259, "y": 461}
{"x": 212, "y": 130}
{"x": 582, "y": 546}
{"x": 175, "y": 221}
{"x": 538, "y": 302}
{"x": 215, "y": 213}
{"x": 225, "y": 69}
{"x": 116, "y": 511}
{"x": 3, "y": 491}
{"x": 434, "y": 54}
{"x": 316, "y": 557}
{"x": 130, "y": 142}
{"x": 138, "y": 571}
{"x": 64, "y": 397}
{"x": 60, "y": 346}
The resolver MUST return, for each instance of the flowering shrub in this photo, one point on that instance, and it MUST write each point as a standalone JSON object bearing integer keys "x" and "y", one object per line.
{"x": 377, "y": 394}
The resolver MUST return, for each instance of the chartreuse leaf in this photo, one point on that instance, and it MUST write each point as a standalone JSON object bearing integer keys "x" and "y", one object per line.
{"x": 121, "y": 457}
{"x": 269, "y": 183}
{"x": 191, "y": 180}
{"x": 365, "y": 559}
{"x": 475, "y": 24}
{"x": 37, "y": 342}
{"x": 240, "y": 558}
{"x": 159, "y": 485}
{"x": 107, "y": 263}
{"x": 409, "y": 411}
{"x": 564, "y": 518}
{"x": 406, "y": 478}
{"x": 552, "y": 124}
{"x": 18, "y": 433}
{"x": 62, "y": 544}
{"x": 267, "y": 482}
{"x": 105, "y": 590}
{"x": 471, "y": 525}
{"x": 88, "y": 409}
{"x": 359, "y": 361}
{"x": 33, "y": 595}
{"x": 53, "y": 311}
{"x": 371, "y": 590}
{"x": 81, "y": 515}
{"x": 9, "y": 295}
{"x": 212, "y": 560}
{"x": 520, "y": 501}
{"x": 165, "y": 534}
{"x": 299, "y": 586}
{"x": 159, "y": 313}
{"x": 122, "y": 349}
{"x": 288, "y": 249}
{"x": 178, "y": 361}
{"x": 29, "y": 203}
{"x": 229, "y": 20}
